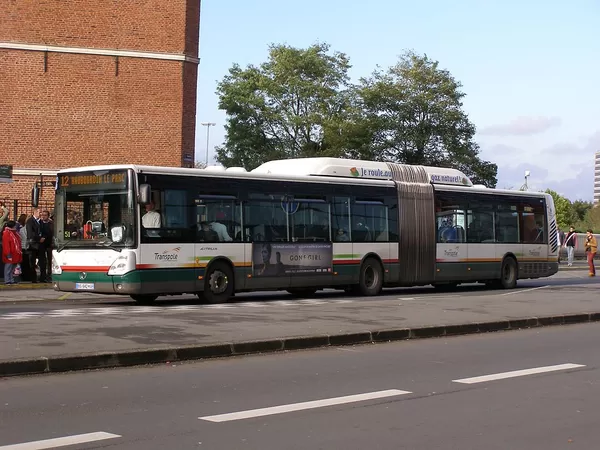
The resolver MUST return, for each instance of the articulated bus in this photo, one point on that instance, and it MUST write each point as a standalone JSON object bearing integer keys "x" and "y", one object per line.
{"x": 299, "y": 225}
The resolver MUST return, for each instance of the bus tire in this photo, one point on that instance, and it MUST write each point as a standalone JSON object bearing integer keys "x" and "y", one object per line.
{"x": 218, "y": 283}
{"x": 144, "y": 299}
{"x": 508, "y": 273}
{"x": 370, "y": 281}
{"x": 302, "y": 292}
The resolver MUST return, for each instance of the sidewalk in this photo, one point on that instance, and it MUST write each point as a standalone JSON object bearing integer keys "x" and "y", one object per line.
{"x": 25, "y": 285}
{"x": 35, "y": 340}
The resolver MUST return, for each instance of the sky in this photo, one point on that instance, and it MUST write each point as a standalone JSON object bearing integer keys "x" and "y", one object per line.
{"x": 529, "y": 69}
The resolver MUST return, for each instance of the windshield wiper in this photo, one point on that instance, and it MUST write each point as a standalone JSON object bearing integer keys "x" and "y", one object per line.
{"x": 66, "y": 244}
{"x": 110, "y": 244}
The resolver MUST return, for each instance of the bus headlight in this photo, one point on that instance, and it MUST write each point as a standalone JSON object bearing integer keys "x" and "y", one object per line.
{"x": 56, "y": 270}
{"x": 124, "y": 263}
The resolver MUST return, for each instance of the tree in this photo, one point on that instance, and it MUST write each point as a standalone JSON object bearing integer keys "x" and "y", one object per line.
{"x": 414, "y": 112}
{"x": 590, "y": 220}
{"x": 565, "y": 215}
{"x": 581, "y": 207}
{"x": 291, "y": 106}
{"x": 299, "y": 103}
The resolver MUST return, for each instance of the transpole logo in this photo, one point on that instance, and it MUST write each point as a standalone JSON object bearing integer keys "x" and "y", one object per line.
{"x": 168, "y": 255}
{"x": 535, "y": 252}
{"x": 452, "y": 252}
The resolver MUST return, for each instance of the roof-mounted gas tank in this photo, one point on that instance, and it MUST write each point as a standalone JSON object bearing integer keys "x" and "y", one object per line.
{"x": 348, "y": 168}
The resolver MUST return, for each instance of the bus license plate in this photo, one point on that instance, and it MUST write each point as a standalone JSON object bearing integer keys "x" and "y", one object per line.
{"x": 84, "y": 286}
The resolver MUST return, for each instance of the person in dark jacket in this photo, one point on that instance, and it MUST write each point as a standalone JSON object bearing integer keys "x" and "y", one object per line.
{"x": 33, "y": 242}
{"x": 570, "y": 242}
{"x": 45, "y": 251}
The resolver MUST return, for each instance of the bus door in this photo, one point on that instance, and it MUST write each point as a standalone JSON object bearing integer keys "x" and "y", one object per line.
{"x": 218, "y": 235}
{"x": 534, "y": 234}
{"x": 452, "y": 252}
{"x": 267, "y": 245}
{"x": 309, "y": 257}
{"x": 369, "y": 232}
{"x": 481, "y": 237}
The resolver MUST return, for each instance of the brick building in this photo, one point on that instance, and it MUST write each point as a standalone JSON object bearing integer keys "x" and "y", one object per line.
{"x": 85, "y": 83}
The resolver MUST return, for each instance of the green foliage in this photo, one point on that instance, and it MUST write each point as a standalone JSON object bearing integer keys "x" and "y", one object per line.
{"x": 291, "y": 106}
{"x": 565, "y": 215}
{"x": 581, "y": 208}
{"x": 415, "y": 111}
{"x": 580, "y": 214}
{"x": 299, "y": 103}
{"x": 590, "y": 220}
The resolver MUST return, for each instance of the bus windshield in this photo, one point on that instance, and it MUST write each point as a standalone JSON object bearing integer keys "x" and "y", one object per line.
{"x": 95, "y": 209}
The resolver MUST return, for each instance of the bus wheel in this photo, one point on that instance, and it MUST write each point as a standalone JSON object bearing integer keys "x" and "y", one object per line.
{"x": 302, "y": 292}
{"x": 144, "y": 299}
{"x": 508, "y": 274}
{"x": 371, "y": 277}
{"x": 218, "y": 284}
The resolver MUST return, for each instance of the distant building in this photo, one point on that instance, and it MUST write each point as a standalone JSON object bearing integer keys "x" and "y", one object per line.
{"x": 87, "y": 83}
{"x": 597, "y": 178}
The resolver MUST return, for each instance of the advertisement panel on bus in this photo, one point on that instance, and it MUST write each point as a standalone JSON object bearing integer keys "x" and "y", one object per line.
{"x": 273, "y": 259}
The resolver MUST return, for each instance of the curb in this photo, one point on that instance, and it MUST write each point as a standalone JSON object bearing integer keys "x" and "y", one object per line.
{"x": 25, "y": 287}
{"x": 56, "y": 364}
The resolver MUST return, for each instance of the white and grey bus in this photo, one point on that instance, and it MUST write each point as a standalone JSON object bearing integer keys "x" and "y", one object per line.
{"x": 299, "y": 225}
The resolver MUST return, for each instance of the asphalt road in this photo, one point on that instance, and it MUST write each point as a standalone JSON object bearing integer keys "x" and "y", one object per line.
{"x": 413, "y": 395}
{"x": 84, "y": 324}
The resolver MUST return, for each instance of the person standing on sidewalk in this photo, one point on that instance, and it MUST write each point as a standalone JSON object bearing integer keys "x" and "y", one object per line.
{"x": 11, "y": 251}
{"x": 4, "y": 212}
{"x": 33, "y": 242}
{"x": 591, "y": 247}
{"x": 570, "y": 242}
{"x": 45, "y": 251}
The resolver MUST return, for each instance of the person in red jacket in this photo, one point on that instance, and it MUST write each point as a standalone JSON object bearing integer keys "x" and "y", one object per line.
{"x": 12, "y": 253}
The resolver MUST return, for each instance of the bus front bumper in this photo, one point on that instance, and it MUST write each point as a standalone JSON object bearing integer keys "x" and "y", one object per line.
{"x": 98, "y": 283}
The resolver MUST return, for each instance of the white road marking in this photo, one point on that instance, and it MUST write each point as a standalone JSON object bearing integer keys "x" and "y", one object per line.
{"x": 284, "y": 303}
{"x": 65, "y": 312}
{"x": 517, "y": 373}
{"x": 524, "y": 290}
{"x": 252, "y": 304}
{"x": 308, "y": 301}
{"x": 22, "y": 315}
{"x": 406, "y": 298}
{"x": 148, "y": 309}
{"x": 180, "y": 308}
{"x": 61, "y": 442}
{"x": 302, "y": 406}
{"x": 130, "y": 310}
{"x": 106, "y": 311}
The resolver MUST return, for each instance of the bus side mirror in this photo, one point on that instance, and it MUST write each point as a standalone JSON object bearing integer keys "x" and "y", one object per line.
{"x": 35, "y": 196}
{"x": 145, "y": 194}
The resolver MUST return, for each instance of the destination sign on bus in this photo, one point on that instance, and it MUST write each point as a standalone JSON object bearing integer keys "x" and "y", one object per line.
{"x": 93, "y": 181}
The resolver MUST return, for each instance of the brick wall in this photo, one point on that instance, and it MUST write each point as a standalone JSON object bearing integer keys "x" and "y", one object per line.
{"x": 145, "y": 25}
{"x": 62, "y": 110}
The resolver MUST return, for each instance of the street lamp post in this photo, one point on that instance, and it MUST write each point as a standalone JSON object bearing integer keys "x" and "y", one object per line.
{"x": 207, "y": 125}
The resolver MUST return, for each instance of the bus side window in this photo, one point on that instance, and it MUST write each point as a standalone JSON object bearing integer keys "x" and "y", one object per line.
{"x": 340, "y": 219}
{"x": 370, "y": 221}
